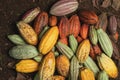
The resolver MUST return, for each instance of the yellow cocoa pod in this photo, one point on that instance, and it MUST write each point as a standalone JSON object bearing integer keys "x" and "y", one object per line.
{"x": 47, "y": 67}
{"x": 27, "y": 33}
{"x": 86, "y": 74}
{"x": 107, "y": 64}
{"x": 48, "y": 40}
{"x": 27, "y": 66}
{"x": 83, "y": 51}
{"x": 62, "y": 65}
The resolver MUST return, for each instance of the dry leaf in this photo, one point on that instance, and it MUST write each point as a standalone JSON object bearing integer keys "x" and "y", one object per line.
{"x": 116, "y": 4}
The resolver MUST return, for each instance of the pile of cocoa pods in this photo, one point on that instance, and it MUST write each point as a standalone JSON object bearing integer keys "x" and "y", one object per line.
{"x": 75, "y": 48}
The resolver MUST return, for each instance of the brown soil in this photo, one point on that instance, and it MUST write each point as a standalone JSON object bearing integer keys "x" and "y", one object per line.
{"x": 11, "y": 12}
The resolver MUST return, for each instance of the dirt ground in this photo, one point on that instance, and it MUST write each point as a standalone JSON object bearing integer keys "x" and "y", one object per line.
{"x": 11, "y": 12}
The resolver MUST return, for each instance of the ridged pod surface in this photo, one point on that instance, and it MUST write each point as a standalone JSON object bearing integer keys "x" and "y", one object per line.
{"x": 86, "y": 74}
{"x": 64, "y": 7}
{"x": 89, "y": 63}
{"x": 47, "y": 67}
{"x": 74, "y": 68}
{"x": 27, "y": 66}
{"x": 73, "y": 43}
{"x": 102, "y": 76}
{"x": 83, "y": 51}
{"x": 48, "y": 40}
{"x": 23, "y": 52}
{"x": 27, "y": 33}
{"x": 62, "y": 65}
{"x": 107, "y": 64}
{"x": 74, "y": 26}
{"x": 105, "y": 42}
{"x": 65, "y": 50}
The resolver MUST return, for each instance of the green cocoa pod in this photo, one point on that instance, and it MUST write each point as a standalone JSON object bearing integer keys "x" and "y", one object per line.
{"x": 65, "y": 50}
{"x": 23, "y": 52}
{"x": 103, "y": 76}
{"x": 38, "y": 58}
{"x": 73, "y": 43}
{"x": 89, "y": 63}
{"x": 16, "y": 39}
{"x": 93, "y": 35}
{"x": 74, "y": 68}
{"x": 43, "y": 31}
{"x": 105, "y": 42}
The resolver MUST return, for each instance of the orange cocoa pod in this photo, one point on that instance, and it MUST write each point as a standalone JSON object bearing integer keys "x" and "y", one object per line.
{"x": 79, "y": 39}
{"x": 64, "y": 27}
{"x": 64, "y": 41}
{"x": 40, "y": 22}
{"x": 53, "y": 21}
{"x": 74, "y": 25}
{"x": 88, "y": 17}
{"x": 84, "y": 31}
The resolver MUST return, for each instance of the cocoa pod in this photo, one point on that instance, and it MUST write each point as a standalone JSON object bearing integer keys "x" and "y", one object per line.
{"x": 88, "y": 17}
{"x": 64, "y": 7}
{"x": 86, "y": 74}
{"x": 112, "y": 25}
{"x": 103, "y": 22}
{"x": 106, "y": 63}
{"x": 92, "y": 53}
{"x": 97, "y": 50}
{"x": 114, "y": 37}
{"x": 64, "y": 27}
{"x": 47, "y": 67}
{"x": 116, "y": 54}
{"x": 62, "y": 65}
{"x": 79, "y": 39}
{"x": 64, "y": 41}
{"x": 27, "y": 33}
{"x": 31, "y": 15}
{"x": 84, "y": 31}
{"x": 53, "y": 21}
{"x": 105, "y": 42}
{"x": 90, "y": 64}
{"x": 40, "y": 22}
{"x": 83, "y": 51}
{"x": 74, "y": 26}
{"x": 93, "y": 35}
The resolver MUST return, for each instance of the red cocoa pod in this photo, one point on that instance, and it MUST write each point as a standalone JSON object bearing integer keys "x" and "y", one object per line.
{"x": 64, "y": 27}
{"x": 79, "y": 39}
{"x": 97, "y": 50}
{"x": 92, "y": 53}
{"x": 40, "y": 22}
{"x": 88, "y": 17}
{"x": 64, "y": 41}
{"x": 74, "y": 25}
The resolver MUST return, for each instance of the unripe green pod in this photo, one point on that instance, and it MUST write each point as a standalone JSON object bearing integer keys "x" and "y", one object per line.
{"x": 103, "y": 76}
{"x": 73, "y": 43}
{"x": 16, "y": 39}
{"x": 23, "y": 52}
